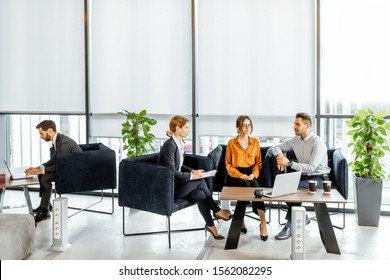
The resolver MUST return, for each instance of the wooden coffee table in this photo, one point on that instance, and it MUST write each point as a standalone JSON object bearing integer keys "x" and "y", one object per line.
{"x": 23, "y": 183}
{"x": 319, "y": 199}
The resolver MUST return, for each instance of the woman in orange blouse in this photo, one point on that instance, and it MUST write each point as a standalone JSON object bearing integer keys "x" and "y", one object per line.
{"x": 243, "y": 164}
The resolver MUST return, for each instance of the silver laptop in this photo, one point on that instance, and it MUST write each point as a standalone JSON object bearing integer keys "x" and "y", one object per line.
{"x": 17, "y": 176}
{"x": 285, "y": 183}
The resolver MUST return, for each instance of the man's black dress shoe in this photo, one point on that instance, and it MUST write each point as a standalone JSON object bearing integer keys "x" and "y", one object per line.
{"x": 284, "y": 234}
{"x": 36, "y": 210}
{"x": 43, "y": 214}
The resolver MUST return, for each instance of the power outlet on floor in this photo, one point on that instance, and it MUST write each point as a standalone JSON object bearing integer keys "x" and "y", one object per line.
{"x": 298, "y": 221}
{"x": 60, "y": 224}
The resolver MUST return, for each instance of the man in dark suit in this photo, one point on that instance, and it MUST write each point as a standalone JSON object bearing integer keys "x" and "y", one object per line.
{"x": 62, "y": 144}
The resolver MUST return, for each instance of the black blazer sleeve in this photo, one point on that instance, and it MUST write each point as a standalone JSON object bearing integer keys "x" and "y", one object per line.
{"x": 170, "y": 156}
{"x": 64, "y": 144}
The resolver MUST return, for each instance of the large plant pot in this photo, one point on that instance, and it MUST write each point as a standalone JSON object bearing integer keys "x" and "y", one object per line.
{"x": 368, "y": 199}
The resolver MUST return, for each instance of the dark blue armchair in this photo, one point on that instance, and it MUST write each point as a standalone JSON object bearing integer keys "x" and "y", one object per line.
{"x": 218, "y": 157}
{"x": 339, "y": 170}
{"x": 94, "y": 169}
{"x": 148, "y": 186}
{"x": 338, "y": 174}
{"x": 218, "y": 162}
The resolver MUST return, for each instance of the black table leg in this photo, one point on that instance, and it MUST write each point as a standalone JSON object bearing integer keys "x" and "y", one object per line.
{"x": 235, "y": 227}
{"x": 326, "y": 229}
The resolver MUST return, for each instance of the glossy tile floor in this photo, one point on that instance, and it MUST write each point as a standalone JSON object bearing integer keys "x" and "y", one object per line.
{"x": 99, "y": 236}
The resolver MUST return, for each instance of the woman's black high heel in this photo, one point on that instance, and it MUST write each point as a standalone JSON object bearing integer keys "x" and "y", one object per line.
{"x": 218, "y": 237}
{"x": 225, "y": 219}
{"x": 263, "y": 237}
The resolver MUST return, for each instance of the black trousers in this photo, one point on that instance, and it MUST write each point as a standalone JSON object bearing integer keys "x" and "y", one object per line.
{"x": 198, "y": 191}
{"x": 237, "y": 182}
{"x": 45, "y": 188}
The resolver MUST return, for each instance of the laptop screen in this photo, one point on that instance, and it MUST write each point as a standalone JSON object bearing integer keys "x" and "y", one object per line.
{"x": 9, "y": 170}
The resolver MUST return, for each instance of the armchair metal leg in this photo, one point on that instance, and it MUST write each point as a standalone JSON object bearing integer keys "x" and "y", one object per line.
{"x": 269, "y": 212}
{"x": 93, "y": 204}
{"x": 279, "y": 209}
{"x": 338, "y": 211}
{"x": 343, "y": 227}
{"x": 168, "y": 230}
{"x": 335, "y": 213}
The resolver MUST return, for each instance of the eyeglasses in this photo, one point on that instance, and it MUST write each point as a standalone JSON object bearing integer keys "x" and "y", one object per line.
{"x": 247, "y": 125}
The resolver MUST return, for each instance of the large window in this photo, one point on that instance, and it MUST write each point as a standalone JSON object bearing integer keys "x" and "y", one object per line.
{"x": 26, "y": 148}
{"x": 355, "y": 55}
{"x": 354, "y": 67}
{"x": 220, "y": 60}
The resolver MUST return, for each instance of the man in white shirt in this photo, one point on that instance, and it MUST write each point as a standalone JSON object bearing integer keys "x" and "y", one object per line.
{"x": 312, "y": 160}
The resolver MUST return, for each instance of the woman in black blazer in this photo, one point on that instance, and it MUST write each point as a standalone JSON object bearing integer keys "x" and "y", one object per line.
{"x": 172, "y": 155}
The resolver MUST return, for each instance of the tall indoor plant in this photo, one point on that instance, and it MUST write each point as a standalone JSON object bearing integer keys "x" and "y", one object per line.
{"x": 136, "y": 133}
{"x": 369, "y": 144}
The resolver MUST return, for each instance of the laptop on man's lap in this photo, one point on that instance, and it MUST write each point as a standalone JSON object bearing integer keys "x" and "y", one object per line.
{"x": 286, "y": 183}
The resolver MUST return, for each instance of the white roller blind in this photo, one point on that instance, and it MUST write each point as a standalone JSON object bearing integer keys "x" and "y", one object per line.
{"x": 140, "y": 58}
{"x": 42, "y": 56}
{"x": 255, "y": 58}
{"x": 110, "y": 125}
{"x": 355, "y": 55}
{"x": 270, "y": 126}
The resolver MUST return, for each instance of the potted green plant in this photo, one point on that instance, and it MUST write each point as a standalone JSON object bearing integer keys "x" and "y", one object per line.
{"x": 369, "y": 144}
{"x": 136, "y": 133}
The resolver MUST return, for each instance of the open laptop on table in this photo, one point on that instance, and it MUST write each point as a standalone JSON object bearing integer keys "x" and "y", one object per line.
{"x": 285, "y": 183}
{"x": 17, "y": 176}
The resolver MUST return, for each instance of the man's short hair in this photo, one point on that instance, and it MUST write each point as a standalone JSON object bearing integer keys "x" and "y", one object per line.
{"x": 305, "y": 117}
{"x": 46, "y": 124}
